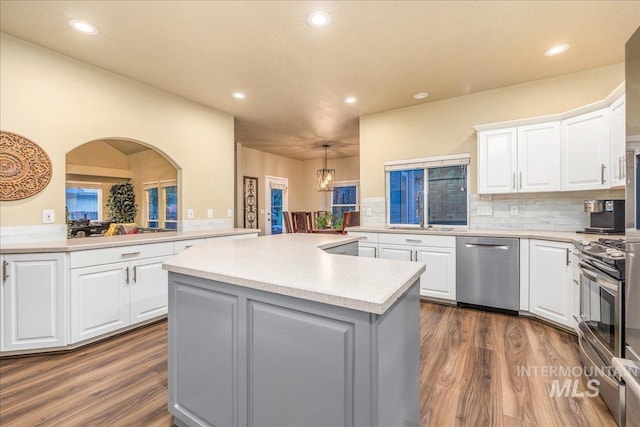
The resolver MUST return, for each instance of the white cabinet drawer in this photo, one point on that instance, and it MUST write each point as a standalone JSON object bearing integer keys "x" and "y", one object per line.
{"x": 119, "y": 254}
{"x": 186, "y": 244}
{"x": 364, "y": 237}
{"x": 418, "y": 239}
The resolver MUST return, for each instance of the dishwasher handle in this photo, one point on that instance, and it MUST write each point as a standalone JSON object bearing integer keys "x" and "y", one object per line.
{"x": 486, "y": 245}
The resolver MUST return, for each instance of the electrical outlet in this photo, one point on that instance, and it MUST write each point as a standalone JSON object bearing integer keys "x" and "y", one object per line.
{"x": 48, "y": 216}
{"x": 190, "y": 213}
{"x": 514, "y": 210}
{"x": 368, "y": 212}
{"x": 209, "y": 213}
{"x": 485, "y": 210}
{"x": 229, "y": 213}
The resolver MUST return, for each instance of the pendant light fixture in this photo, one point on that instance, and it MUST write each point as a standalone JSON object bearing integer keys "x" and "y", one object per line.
{"x": 326, "y": 177}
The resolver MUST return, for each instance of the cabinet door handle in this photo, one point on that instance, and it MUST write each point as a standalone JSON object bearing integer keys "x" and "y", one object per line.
{"x": 131, "y": 253}
{"x": 602, "y": 169}
{"x": 623, "y": 168}
{"x": 127, "y": 273}
{"x": 5, "y": 271}
{"x": 513, "y": 181}
{"x": 568, "y": 260}
{"x": 521, "y": 180}
{"x": 134, "y": 274}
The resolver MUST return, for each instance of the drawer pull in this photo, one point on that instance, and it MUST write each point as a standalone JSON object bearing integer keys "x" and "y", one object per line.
{"x": 413, "y": 240}
{"x": 131, "y": 253}
{"x": 188, "y": 246}
{"x": 5, "y": 272}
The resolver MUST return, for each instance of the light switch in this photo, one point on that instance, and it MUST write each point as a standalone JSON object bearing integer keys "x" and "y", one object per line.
{"x": 368, "y": 212}
{"x": 48, "y": 216}
{"x": 190, "y": 213}
{"x": 229, "y": 213}
{"x": 209, "y": 213}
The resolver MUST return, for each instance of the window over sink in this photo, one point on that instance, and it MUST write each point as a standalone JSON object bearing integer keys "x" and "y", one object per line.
{"x": 428, "y": 191}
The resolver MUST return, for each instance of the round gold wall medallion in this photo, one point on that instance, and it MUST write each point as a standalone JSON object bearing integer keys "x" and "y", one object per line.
{"x": 25, "y": 168}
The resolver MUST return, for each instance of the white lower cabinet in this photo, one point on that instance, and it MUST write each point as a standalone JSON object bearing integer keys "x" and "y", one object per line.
{"x": 437, "y": 252}
{"x": 367, "y": 245}
{"x": 551, "y": 281}
{"x": 106, "y": 297}
{"x": 33, "y": 301}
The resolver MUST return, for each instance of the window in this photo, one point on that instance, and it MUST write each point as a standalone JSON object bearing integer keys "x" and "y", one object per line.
{"x": 429, "y": 191}
{"x": 344, "y": 197}
{"x": 84, "y": 200}
{"x": 161, "y": 204}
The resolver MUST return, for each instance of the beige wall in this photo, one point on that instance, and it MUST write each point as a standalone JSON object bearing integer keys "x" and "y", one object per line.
{"x": 347, "y": 169}
{"x": 148, "y": 166}
{"x": 302, "y": 192}
{"x": 61, "y": 103}
{"x": 259, "y": 164}
{"x": 446, "y": 127}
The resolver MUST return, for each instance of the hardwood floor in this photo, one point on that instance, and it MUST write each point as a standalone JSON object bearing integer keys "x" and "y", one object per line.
{"x": 471, "y": 374}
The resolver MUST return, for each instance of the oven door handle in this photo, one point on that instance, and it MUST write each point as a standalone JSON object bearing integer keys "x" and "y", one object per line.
{"x": 598, "y": 278}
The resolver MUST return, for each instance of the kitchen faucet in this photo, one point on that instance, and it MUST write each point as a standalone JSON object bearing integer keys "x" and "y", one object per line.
{"x": 420, "y": 207}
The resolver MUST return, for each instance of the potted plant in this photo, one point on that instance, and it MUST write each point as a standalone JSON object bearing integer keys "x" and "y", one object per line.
{"x": 323, "y": 221}
{"x": 121, "y": 204}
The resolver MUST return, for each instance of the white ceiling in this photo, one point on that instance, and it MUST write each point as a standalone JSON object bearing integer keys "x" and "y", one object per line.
{"x": 296, "y": 77}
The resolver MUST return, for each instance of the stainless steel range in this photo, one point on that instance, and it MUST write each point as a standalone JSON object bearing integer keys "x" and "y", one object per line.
{"x": 601, "y": 327}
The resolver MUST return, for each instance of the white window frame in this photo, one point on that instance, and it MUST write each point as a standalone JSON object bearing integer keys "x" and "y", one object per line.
{"x": 162, "y": 201}
{"x": 350, "y": 183}
{"x": 89, "y": 185}
{"x": 425, "y": 163}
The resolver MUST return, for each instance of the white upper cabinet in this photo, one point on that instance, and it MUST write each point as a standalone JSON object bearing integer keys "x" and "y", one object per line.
{"x": 539, "y": 157}
{"x": 519, "y": 159}
{"x": 585, "y": 151}
{"x": 581, "y": 149}
{"x": 497, "y": 161}
{"x": 618, "y": 141}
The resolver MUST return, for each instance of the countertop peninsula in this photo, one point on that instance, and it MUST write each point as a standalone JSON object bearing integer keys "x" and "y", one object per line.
{"x": 100, "y": 242}
{"x": 296, "y": 265}
{"x": 557, "y": 236}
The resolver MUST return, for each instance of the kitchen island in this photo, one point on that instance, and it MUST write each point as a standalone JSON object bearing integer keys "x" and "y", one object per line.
{"x": 280, "y": 331}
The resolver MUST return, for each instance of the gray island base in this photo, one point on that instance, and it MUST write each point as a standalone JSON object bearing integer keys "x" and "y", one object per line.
{"x": 240, "y": 356}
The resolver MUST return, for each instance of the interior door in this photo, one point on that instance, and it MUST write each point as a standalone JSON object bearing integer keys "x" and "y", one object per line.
{"x": 276, "y": 202}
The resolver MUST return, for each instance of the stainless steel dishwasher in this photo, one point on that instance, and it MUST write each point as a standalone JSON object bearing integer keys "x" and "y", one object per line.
{"x": 488, "y": 273}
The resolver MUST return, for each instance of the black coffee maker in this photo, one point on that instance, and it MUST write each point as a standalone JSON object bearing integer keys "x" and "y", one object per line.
{"x": 606, "y": 216}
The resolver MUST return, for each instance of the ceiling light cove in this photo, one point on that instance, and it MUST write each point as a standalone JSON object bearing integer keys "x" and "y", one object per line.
{"x": 350, "y": 100}
{"x": 556, "y": 50}
{"x": 420, "y": 95}
{"x": 83, "y": 27}
{"x": 238, "y": 95}
{"x": 319, "y": 19}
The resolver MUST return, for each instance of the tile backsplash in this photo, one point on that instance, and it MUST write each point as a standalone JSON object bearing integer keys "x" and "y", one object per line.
{"x": 561, "y": 211}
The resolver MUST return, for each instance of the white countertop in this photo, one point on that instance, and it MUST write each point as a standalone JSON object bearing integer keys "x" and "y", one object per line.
{"x": 295, "y": 265}
{"x": 85, "y": 243}
{"x": 558, "y": 236}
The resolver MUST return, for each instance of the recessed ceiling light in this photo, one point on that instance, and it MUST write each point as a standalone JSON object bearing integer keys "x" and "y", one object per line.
{"x": 319, "y": 19}
{"x": 83, "y": 27}
{"x": 238, "y": 95}
{"x": 556, "y": 50}
{"x": 420, "y": 95}
{"x": 350, "y": 100}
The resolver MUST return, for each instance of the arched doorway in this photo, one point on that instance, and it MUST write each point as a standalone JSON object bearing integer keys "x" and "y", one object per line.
{"x": 94, "y": 167}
